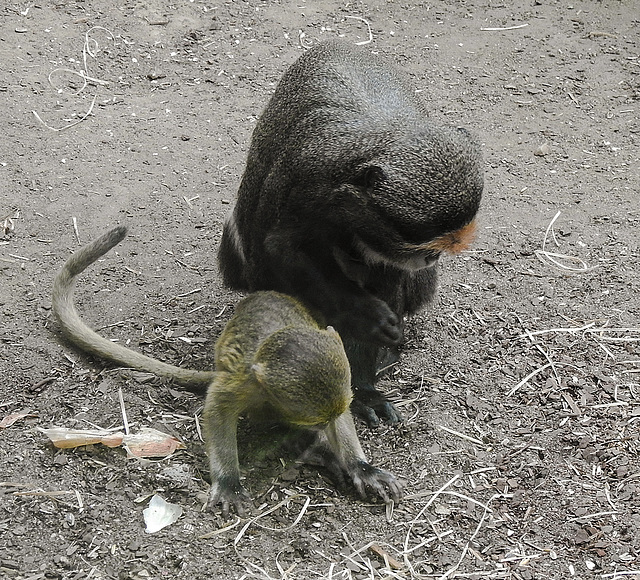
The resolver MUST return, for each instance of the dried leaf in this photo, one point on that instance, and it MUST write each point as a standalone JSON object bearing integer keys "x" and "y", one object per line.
{"x": 147, "y": 443}
{"x": 64, "y": 438}
{"x": 151, "y": 443}
{"x": 393, "y": 563}
{"x": 11, "y": 419}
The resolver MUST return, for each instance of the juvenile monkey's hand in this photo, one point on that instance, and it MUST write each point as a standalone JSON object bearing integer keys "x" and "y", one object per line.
{"x": 228, "y": 493}
{"x": 384, "y": 484}
{"x": 371, "y": 320}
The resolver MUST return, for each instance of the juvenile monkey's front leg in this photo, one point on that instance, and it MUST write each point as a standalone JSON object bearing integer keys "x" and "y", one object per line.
{"x": 343, "y": 440}
{"x": 220, "y": 420}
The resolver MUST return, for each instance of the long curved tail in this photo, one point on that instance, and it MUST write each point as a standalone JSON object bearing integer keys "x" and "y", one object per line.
{"x": 90, "y": 341}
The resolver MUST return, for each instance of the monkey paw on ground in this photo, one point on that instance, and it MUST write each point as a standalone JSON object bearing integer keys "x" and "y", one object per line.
{"x": 362, "y": 475}
{"x": 228, "y": 494}
{"x": 384, "y": 484}
{"x": 371, "y": 406}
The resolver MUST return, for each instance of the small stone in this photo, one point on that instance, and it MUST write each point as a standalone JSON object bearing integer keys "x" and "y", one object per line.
{"x": 542, "y": 150}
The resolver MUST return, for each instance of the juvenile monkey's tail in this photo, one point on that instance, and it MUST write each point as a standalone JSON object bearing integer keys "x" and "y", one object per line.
{"x": 90, "y": 341}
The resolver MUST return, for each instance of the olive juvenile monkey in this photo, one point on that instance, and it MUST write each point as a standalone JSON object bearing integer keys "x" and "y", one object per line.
{"x": 272, "y": 353}
{"x": 349, "y": 197}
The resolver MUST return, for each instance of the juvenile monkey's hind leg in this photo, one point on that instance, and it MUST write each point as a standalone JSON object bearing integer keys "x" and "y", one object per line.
{"x": 312, "y": 448}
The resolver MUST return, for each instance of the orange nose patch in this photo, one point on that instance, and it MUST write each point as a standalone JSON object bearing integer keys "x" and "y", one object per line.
{"x": 454, "y": 242}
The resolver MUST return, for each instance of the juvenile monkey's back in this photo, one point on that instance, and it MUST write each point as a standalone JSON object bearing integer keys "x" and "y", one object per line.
{"x": 256, "y": 317}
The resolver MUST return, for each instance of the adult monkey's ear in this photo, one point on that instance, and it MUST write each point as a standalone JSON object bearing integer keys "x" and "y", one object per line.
{"x": 368, "y": 176}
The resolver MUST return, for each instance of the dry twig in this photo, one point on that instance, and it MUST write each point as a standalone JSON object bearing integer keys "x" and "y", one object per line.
{"x": 276, "y": 507}
{"x": 557, "y": 260}
{"x": 89, "y": 49}
{"x": 362, "y": 42}
{"x": 501, "y": 28}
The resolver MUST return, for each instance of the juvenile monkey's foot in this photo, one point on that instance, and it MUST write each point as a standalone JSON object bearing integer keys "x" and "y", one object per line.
{"x": 384, "y": 484}
{"x": 372, "y": 406}
{"x": 228, "y": 494}
{"x": 329, "y": 462}
{"x": 362, "y": 475}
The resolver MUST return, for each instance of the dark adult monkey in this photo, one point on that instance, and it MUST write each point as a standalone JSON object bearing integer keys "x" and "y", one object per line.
{"x": 349, "y": 197}
{"x": 273, "y": 355}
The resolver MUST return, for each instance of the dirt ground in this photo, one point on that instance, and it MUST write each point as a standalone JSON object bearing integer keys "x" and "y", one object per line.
{"x": 520, "y": 388}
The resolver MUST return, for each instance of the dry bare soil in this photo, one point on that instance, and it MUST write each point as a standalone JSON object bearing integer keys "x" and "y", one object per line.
{"x": 520, "y": 385}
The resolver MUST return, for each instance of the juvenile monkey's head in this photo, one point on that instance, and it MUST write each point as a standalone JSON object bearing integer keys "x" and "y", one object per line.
{"x": 305, "y": 375}
{"x": 416, "y": 196}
